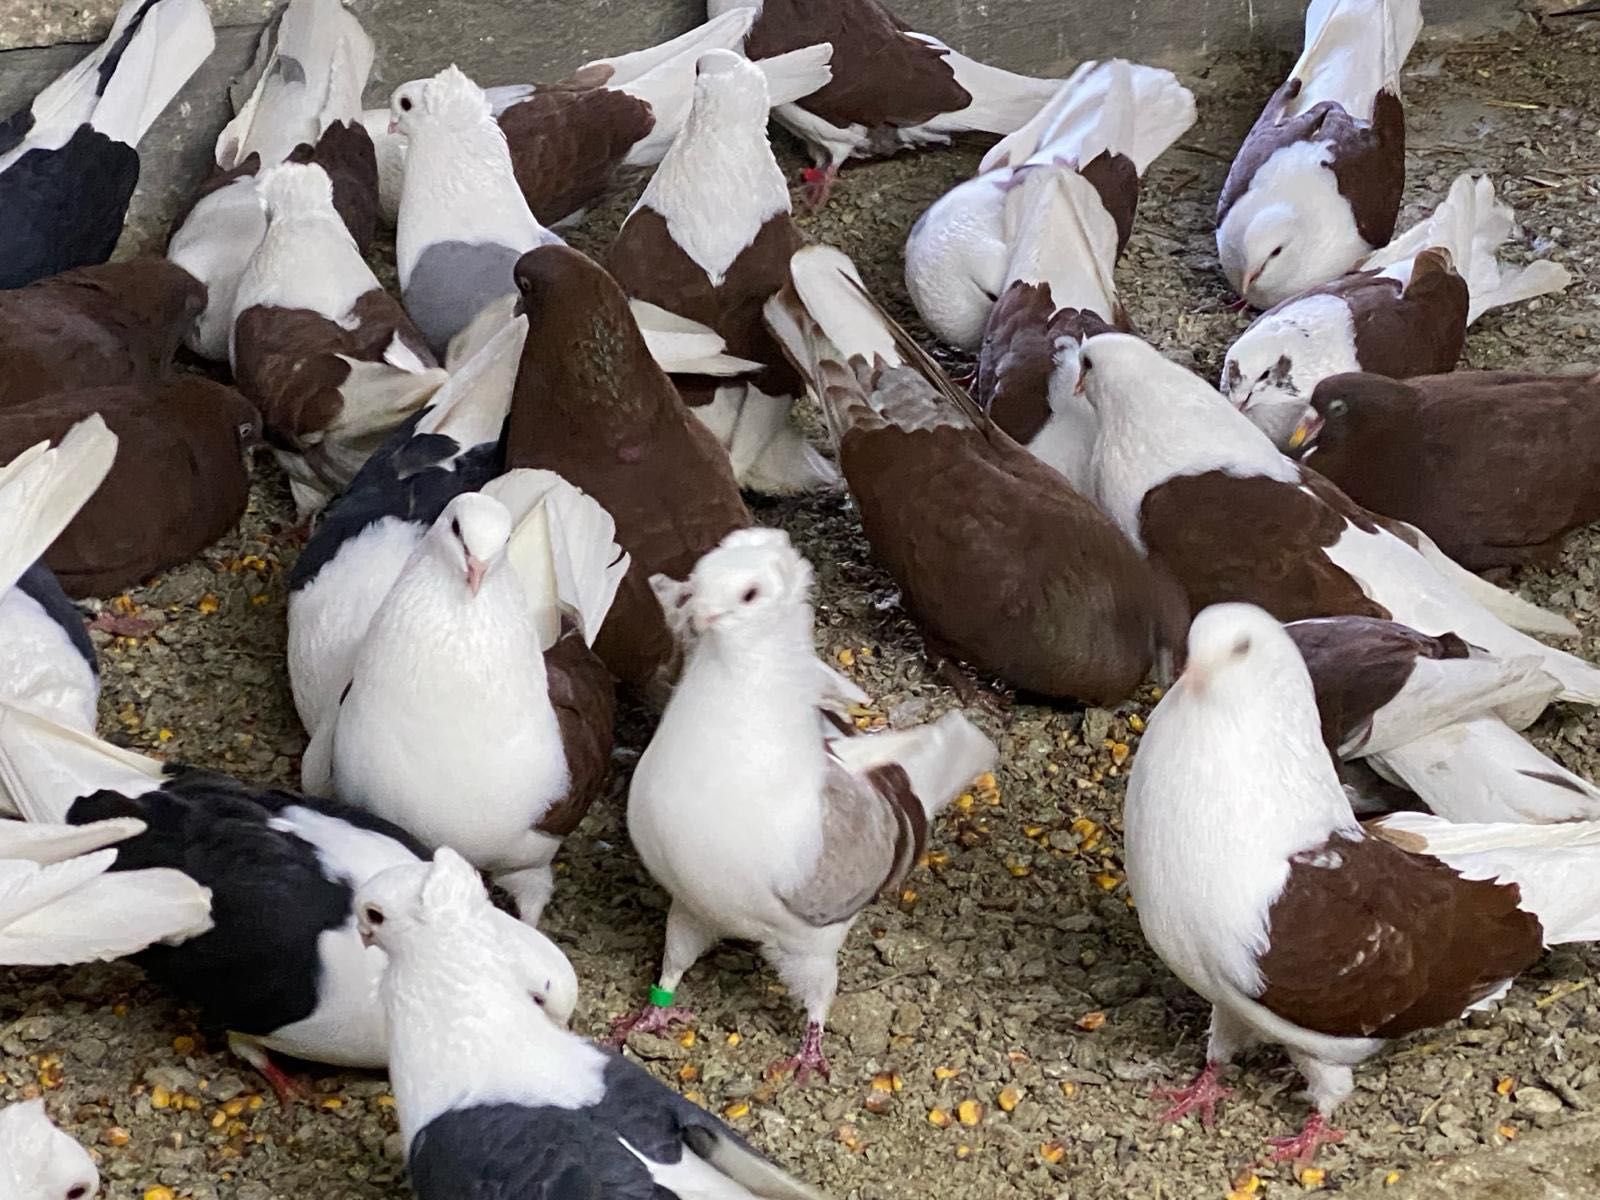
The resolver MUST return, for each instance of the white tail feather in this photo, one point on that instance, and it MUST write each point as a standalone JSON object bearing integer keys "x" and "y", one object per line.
{"x": 43, "y": 488}
{"x": 1445, "y": 691}
{"x": 1061, "y": 234}
{"x": 681, "y": 346}
{"x": 173, "y": 39}
{"x": 1002, "y": 101}
{"x": 45, "y": 766}
{"x": 380, "y": 395}
{"x": 795, "y": 75}
{"x": 49, "y": 843}
{"x": 1355, "y": 49}
{"x": 940, "y": 758}
{"x": 1508, "y": 606}
{"x": 724, "y": 32}
{"x": 850, "y": 323}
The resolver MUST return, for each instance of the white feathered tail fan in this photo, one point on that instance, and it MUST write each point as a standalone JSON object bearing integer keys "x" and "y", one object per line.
{"x": 43, "y": 488}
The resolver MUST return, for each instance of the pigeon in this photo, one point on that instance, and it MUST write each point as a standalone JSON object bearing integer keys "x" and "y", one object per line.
{"x": 1440, "y": 719}
{"x": 282, "y": 968}
{"x": 1099, "y": 135}
{"x": 715, "y": 255}
{"x": 1011, "y": 571}
{"x": 475, "y": 715}
{"x": 1438, "y": 451}
{"x": 1327, "y": 938}
{"x": 1316, "y": 185}
{"x": 609, "y": 422}
{"x": 892, "y": 89}
{"x": 47, "y": 662}
{"x": 38, "y": 1161}
{"x": 1404, "y": 312}
{"x": 330, "y": 358}
{"x": 455, "y": 255}
{"x": 575, "y": 140}
{"x": 304, "y": 105}
{"x": 778, "y": 835}
{"x": 1202, "y": 490}
{"x": 180, "y": 480}
{"x": 496, "y": 1099}
{"x": 116, "y": 323}
{"x": 68, "y": 163}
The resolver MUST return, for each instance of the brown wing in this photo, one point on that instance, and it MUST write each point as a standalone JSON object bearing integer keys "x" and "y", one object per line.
{"x": 1117, "y": 180}
{"x": 880, "y": 76}
{"x": 1418, "y": 331}
{"x": 1252, "y": 539}
{"x": 1367, "y": 940}
{"x": 873, "y": 832}
{"x": 567, "y": 143}
{"x": 346, "y": 153}
{"x": 585, "y": 702}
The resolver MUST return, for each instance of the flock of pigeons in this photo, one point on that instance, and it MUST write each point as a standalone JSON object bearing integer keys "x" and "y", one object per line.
{"x": 522, "y": 480}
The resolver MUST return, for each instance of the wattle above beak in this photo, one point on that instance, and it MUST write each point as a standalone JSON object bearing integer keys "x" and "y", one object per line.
{"x": 476, "y": 569}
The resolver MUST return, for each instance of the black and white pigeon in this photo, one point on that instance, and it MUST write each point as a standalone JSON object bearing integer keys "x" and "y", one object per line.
{"x": 304, "y": 105}
{"x": 496, "y": 1099}
{"x": 475, "y": 715}
{"x": 47, "y": 662}
{"x": 328, "y": 357}
{"x": 1203, "y": 491}
{"x": 1441, "y": 719}
{"x": 783, "y": 835}
{"x": 38, "y": 1161}
{"x": 68, "y": 162}
{"x": 892, "y": 89}
{"x": 1316, "y": 185}
{"x": 1100, "y": 133}
{"x": 710, "y": 241}
{"x": 277, "y": 962}
{"x": 1403, "y": 312}
{"x": 1260, "y": 890}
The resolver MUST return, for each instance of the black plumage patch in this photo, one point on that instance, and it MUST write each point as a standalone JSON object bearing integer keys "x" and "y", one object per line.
{"x": 41, "y": 586}
{"x": 64, "y": 208}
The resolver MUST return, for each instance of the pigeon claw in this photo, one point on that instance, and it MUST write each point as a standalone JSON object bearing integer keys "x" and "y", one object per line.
{"x": 284, "y": 1086}
{"x": 819, "y": 185}
{"x": 652, "y": 1018}
{"x": 1303, "y": 1146}
{"x": 808, "y": 1061}
{"x": 1202, "y": 1094}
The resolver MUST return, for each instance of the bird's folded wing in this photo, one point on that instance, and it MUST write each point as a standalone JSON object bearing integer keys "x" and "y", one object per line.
{"x": 45, "y": 843}
{"x": 44, "y": 766}
{"x": 866, "y": 837}
{"x": 71, "y": 912}
{"x": 682, "y": 346}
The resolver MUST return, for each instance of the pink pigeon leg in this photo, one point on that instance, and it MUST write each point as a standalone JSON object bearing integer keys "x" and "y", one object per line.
{"x": 1202, "y": 1094}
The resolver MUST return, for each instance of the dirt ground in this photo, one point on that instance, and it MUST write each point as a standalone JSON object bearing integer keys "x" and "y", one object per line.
{"x": 1001, "y": 1026}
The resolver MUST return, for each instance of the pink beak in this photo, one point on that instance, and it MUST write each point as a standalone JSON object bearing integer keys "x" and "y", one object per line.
{"x": 1250, "y": 280}
{"x": 394, "y": 126}
{"x": 476, "y": 568}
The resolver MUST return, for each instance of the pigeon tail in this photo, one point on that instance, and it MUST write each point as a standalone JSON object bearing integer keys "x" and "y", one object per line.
{"x": 45, "y": 766}
{"x": 682, "y": 346}
{"x": 1002, "y": 101}
{"x": 941, "y": 758}
{"x": 725, "y": 31}
{"x": 1555, "y": 867}
{"x": 310, "y": 72}
{"x": 796, "y": 74}
{"x": 1522, "y": 615}
{"x": 148, "y": 61}
{"x": 1061, "y": 234}
{"x": 1354, "y": 49}
{"x": 1444, "y": 691}
{"x": 42, "y": 489}
{"x": 563, "y": 548}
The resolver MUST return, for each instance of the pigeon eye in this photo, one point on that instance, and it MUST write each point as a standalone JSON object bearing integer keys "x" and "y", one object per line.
{"x": 455, "y": 526}
{"x": 1337, "y": 408}
{"x": 78, "y": 1193}
{"x": 1085, "y": 363}
{"x": 405, "y": 103}
{"x": 539, "y": 1000}
{"x": 750, "y": 595}
{"x": 373, "y": 915}
{"x": 1241, "y": 647}
{"x": 1277, "y": 250}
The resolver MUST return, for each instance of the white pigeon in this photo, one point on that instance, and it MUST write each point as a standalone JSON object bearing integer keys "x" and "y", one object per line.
{"x": 1316, "y": 185}
{"x": 38, "y": 1161}
{"x": 1259, "y": 889}
{"x": 463, "y": 222}
{"x": 1191, "y": 481}
{"x": 779, "y": 835}
{"x": 496, "y": 1099}
{"x": 328, "y": 357}
{"x": 46, "y": 659}
{"x": 310, "y": 70}
{"x": 964, "y": 251}
{"x": 1374, "y": 320}
{"x": 711, "y": 237}
{"x": 473, "y": 719}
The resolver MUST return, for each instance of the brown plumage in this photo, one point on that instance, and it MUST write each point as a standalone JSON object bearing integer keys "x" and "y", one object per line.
{"x": 1367, "y": 940}
{"x": 179, "y": 482}
{"x": 585, "y": 701}
{"x": 591, "y": 405}
{"x": 569, "y": 140}
{"x": 116, "y": 323}
{"x": 1494, "y": 466}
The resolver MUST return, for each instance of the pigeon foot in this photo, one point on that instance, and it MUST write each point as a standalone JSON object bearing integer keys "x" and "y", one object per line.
{"x": 1303, "y": 1146}
{"x": 809, "y": 1060}
{"x": 652, "y": 1018}
{"x": 1236, "y": 305}
{"x": 819, "y": 185}
{"x": 1202, "y": 1094}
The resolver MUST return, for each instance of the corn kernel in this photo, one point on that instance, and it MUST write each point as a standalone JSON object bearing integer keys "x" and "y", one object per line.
{"x": 119, "y": 1010}
{"x": 116, "y": 1136}
{"x": 695, "y": 1097}
{"x": 847, "y": 657}
{"x": 183, "y": 1045}
{"x": 332, "y": 1102}
{"x": 1392, "y": 1178}
{"x": 939, "y": 1118}
{"x": 688, "y": 1072}
{"x": 937, "y": 859}
{"x": 1106, "y": 881}
{"x": 1509, "y": 1132}
{"x": 963, "y": 1152}
{"x": 964, "y": 802}
{"x": 686, "y": 1039}
{"x": 1052, "y": 1152}
{"x": 1506, "y": 1086}
{"x": 945, "y": 1073}
{"x": 736, "y": 1110}
{"x": 883, "y": 1082}
{"x": 1136, "y": 723}
{"x": 219, "y": 1119}
{"x": 734, "y": 1039}
{"x": 160, "y": 1097}
{"x": 1245, "y": 1182}
{"x": 1032, "y": 831}
{"x": 969, "y": 1112}
{"x": 384, "y": 1101}
{"x": 159, "y": 1193}
{"x": 1119, "y": 753}
{"x": 1019, "y": 870}
{"x": 256, "y": 1102}
{"x": 208, "y": 604}
{"x": 1009, "y": 1098}
{"x": 1068, "y": 1088}
{"x": 1089, "y": 1022}
{"x": 985, "y": 782}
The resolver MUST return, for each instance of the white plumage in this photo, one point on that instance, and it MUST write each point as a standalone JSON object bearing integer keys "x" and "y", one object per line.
{"x": 38, "y": 1161}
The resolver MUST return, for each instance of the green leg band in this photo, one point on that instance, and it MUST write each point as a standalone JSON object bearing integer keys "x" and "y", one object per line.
{"x": 660, "y": 997}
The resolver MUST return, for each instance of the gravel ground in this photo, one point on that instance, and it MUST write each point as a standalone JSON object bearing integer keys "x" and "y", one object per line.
{"x": 1000, "y": 1027}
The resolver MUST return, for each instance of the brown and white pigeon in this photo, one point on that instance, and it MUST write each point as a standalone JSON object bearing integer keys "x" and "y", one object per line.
{"x": 592, "y": 406}
{"x": 1405, "y": 311}
{"x": 1199, "y": 488}
{"x": 1260, "y": 890}
{"x": 1002, "y": 564}
{"x": 306, "y": 80}
{"x": 781, "y": 835}
{"x": 574, "y": 140}
{"x": 710, "y": 240}
{"x": 892, "y": 89}
{"x": 1494, "y": 466}
{"x": 1316, "y": 185}
{"x": 329, "y": 357}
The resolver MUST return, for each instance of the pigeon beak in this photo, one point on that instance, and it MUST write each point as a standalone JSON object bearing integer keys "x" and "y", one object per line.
{"x": 1306, "y": 432}
{"x": 394, "y": 126}
{"x": 1078, "y": 389}
{"x": 366, "y": 936}
{"x": 520, "y": 308}
{"x": 476, "y": 569}
{"x": 1250, "y": 280}
{"x": 702, "y": 621}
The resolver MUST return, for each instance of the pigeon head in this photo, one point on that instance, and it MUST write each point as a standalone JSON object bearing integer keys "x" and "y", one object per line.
{"x": 450, "y": 100}
{"x": 295, "y": 190}
{"x": 1233, "y": 650}
{"x": 38, "y": 1161}
{"x": 1285, "y": 248}
{"x": 751, "y": 579}
{"x": 1341, "y": 407}
{"x": 1116, "y": 370}
{"x": 470, "y": 536}
{"x": 1269, "y": 372}
{"x": 730, "y": 83}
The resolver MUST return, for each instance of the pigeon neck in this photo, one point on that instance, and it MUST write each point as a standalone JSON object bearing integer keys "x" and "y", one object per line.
{"x": 772, "y": 672}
